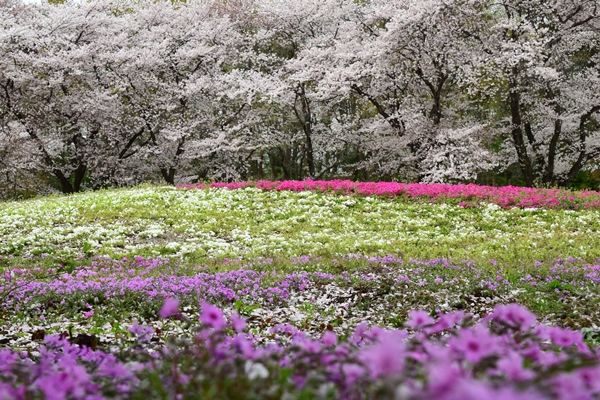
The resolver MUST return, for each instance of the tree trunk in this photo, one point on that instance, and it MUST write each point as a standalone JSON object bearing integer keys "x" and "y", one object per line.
{"x": 78, "y": 177}
{"x": 168, "y": 174}
{"x": 549, "y": 177}
{"x": 517, "y": 136}
{"x": 583, "y": 154}
{"x": 65, "y": 185}
{"x": 304, "y": 115}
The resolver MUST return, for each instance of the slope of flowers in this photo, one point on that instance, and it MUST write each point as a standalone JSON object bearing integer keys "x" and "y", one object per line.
{"x": 508, "y": 355}
{"x": 195, "y": 225}
{"x": 103, "y": 297}
{"x": 467, "y": 194}
{"x": 106, "y": 294}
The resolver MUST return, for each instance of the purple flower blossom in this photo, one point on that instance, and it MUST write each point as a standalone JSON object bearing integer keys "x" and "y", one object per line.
{"x": 212, "y": 316}
{"x": 564, "y": 337}
{"x": 310, "y": 346}
{"x": 352, "y": 372}
{"x": 169, "y": 308}
{"x": 142, "y": 332}
{"x": 329, "y": 339}
{"x": 387, "y": 357}
{"x": 419, "y": 319}
{"x": 512, "y": 366}
{"x": 238, "y": 323}
{"x": 514, "y": 314}
{"x": 475, "y": 344}
{"x": 443, "y": 376}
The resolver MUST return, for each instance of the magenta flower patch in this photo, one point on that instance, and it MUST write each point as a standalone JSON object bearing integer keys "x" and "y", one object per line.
{"x": 169, "y": 308}
{"x": 212, "y": 316}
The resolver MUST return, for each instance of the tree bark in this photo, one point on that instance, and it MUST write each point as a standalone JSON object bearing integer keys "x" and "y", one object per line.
{"x": 583, "y": 154}
{"x": 304, "y": 115}
{"x": 517, "y": 136}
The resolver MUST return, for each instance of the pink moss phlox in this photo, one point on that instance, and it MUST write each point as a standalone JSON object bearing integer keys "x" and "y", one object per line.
{"x": 467, "y": 195}
{"x": 471, "y": 361}
{"x": 169, "y": 308}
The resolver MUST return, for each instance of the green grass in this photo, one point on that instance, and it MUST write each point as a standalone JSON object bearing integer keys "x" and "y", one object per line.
{"x": 197, "y": 226}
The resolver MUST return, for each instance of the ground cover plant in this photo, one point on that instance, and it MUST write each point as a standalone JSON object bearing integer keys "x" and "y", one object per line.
{"x": 508, "y": 355}
{"x": 465, "y": 195}
{"x": 215, "y": 223}
{"x": 301, "y": 290}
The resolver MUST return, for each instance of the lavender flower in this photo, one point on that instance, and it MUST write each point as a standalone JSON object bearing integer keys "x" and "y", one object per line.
{"x": 169, "y": 308}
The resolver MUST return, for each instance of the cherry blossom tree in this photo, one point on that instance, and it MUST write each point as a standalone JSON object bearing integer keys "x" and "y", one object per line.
{"x": 112, "y": 96}
{"x": 404, "y": 60}
{"x": 538, "y": 72}
{"x": 106, "y": 93}
{"x": 303, "y": 140}
{"x": 185, "y": 76}
{"x": 48, "y": 91}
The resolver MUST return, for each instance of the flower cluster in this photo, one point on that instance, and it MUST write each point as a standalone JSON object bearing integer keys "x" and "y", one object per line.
{"x": 507, "y": 355}
{"x": 65, "y": 371}
{"x": 467, "y": 195}
{"x": 381, "y": 289}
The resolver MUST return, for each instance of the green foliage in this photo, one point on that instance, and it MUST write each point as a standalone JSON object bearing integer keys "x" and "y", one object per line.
{"x": 243, "y": 309}
{"x": 586, "y": 180}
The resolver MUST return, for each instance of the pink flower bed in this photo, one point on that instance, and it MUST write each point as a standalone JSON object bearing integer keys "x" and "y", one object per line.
{"x": 468, "y": 195}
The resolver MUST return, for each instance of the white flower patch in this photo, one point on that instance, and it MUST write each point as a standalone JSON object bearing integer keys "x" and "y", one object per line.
{"x": 252, "y": 222}
{"x": 152, "y": 231}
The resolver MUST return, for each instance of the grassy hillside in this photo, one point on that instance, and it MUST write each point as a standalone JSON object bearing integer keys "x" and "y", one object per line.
{"x": 100, "y": 269}
{"x": 198, "y": 225}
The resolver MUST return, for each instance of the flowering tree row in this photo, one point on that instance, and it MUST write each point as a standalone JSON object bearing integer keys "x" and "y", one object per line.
{"x": 114, "y": 93}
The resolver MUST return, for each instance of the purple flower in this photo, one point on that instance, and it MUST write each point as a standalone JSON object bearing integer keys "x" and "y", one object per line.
{"x": 244, "y": 346}
{"x": 352, "y": 372}
{"x": 590, "y": 377}
{"x": 142, "y": 332}
{"x": 514, "y": 314}
{"x": 564, "y": 337}
{"x": 212, "y": 316}
{"x": 419, "y": 319}
{"x": 475, "y": 344}
{"x": 446, "y": 321}
{"x": 238, "y": 323}
{"x": 468, "y": 389}
{"x": 442, "y": 377}
{"x": 71, "y": 380}
{"x": 329, "y": 339}
{"x": 169, "y": 308}
{"x": 570, "y": 386}
{"x": 512, "y": 367}
{"x": 310, "y": 346}
{"x": 386, "y": 357}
